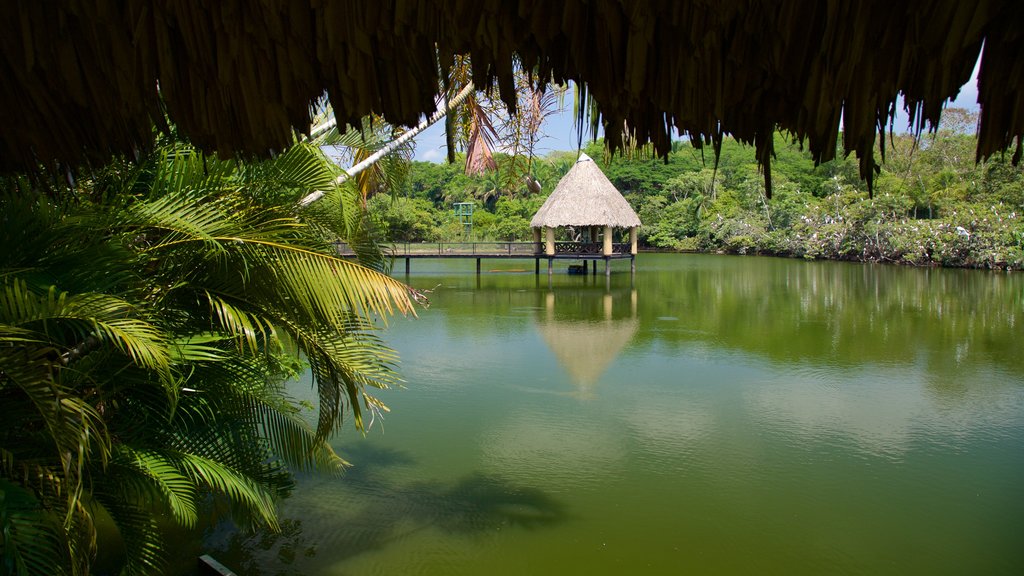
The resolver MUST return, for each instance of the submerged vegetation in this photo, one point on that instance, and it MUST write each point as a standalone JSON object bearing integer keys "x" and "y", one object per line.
{"x": 931, "y": 203}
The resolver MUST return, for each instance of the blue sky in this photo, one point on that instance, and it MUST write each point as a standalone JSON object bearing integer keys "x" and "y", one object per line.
{"x": 560, "y": 134}
{"x": 557, "y": 129}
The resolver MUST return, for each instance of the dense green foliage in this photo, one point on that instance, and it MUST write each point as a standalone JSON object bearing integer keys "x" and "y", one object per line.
{"x": 421, "y": 210}
{"x": 149, "y": 316}
{"x": 931, "y": 204}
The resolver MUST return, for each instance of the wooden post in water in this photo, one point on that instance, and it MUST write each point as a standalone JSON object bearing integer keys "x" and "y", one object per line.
{"x": 477, "y": 266}
{"x": 407, "y": 265}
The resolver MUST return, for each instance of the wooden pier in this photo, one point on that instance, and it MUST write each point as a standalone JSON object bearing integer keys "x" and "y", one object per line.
{"x": 586, "y": 251}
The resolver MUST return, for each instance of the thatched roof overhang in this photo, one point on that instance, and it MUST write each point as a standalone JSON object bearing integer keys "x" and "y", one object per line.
{"x": 585, "y": 197}
{"x": 86, "y": 78}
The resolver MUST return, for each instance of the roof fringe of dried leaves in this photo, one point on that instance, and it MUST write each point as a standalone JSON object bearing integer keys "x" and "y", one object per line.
{"x": 84, "y": 79}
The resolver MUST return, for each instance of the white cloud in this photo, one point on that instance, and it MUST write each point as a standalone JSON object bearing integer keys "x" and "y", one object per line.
{"x": 432, "y": 155}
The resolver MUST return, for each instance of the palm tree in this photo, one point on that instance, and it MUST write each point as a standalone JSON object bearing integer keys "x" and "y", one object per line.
{"x": 326, "y": 133}
{"x": 143, "y": 346}
{"x": 487, "y": 188}
{"x": 470, "y": 119}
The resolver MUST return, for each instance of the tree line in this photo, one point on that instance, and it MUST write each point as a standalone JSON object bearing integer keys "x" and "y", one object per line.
{"x": 932, "y": 204}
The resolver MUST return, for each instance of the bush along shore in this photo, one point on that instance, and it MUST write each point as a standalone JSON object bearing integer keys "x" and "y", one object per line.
{"x": 872, "y": 230}
{"x": 932, "y": 203}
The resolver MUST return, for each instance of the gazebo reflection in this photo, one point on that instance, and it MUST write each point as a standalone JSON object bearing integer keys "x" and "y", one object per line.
{"x": 587, "y": 331}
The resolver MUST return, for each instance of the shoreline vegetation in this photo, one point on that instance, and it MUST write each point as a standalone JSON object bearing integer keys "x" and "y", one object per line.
{"x": 931, "y": 205}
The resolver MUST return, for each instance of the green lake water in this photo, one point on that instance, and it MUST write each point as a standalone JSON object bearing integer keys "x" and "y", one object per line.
{"x": 711, "y": 415}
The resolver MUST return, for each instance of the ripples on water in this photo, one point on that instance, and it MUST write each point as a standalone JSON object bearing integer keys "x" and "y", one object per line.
{"x": 738, "y": 415}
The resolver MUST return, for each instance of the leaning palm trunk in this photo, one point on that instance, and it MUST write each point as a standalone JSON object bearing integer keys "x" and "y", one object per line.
{"x": 390, "y": 147}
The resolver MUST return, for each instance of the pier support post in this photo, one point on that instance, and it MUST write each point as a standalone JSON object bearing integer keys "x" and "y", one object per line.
{"x": 407, "y": 265}
{"x": 550, "y": 264}
{"x": 477, "y": 266}
{"x": 536, "y": 266}
{"x": 607, "y": 266}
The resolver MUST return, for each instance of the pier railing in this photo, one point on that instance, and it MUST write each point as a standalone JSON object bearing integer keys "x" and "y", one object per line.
{"x": 464, "y": 249}
{"x": 578, "y": 247}
{"x": 488, "y": 249}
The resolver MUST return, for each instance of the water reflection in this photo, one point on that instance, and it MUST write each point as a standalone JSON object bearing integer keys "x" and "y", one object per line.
{"x": 584, "y": 340}
{"x": 743, "y": 415}
{"x": 563, "y": 452}
{"x": 950, "y": 321}
{"x": 372, "y": 508}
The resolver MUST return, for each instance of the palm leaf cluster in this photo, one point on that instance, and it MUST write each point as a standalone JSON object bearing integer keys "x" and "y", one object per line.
{"x": 144, "y": 344}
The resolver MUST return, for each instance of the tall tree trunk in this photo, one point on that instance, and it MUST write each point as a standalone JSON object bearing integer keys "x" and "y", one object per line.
{"x": 390, "y": 147}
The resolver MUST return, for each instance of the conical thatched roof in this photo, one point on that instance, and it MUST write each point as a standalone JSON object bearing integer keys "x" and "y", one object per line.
{"x": 585, "y": 197}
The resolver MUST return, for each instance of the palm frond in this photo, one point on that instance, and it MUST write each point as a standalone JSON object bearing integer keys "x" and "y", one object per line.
{"x": 137, "y": 527}
{"x": 295, "y": 442}
{"x": 77, "y": 323}
{"x": 30, "y": 536}
{"x": 290, "y": 176}
{"x": 178, "y": 491}
{"x": 342, "y": 217}
{"x": 240, "y": 489}
{"x": 343, "y": 368}
{"x": 248, "y": 330}
{"x": 159, "y": 376}
{"x": 267, "y": 253}
{"x": 235, "y": 393}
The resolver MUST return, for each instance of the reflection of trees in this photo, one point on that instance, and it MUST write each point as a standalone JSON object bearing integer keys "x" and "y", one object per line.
{"x": 839, "y": 313}
{"x": 786, "y": 310}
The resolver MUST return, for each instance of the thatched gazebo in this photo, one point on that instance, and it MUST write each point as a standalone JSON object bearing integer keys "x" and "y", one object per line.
{"x": 588, "y": 205}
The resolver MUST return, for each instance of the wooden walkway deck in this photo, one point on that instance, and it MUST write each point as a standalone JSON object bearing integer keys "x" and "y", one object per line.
{"x": 585, "y": 251}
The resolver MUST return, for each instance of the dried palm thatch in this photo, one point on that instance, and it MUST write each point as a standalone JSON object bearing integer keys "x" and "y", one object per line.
{"x": 585, "y": 197}
{"x": 86, "y": 78}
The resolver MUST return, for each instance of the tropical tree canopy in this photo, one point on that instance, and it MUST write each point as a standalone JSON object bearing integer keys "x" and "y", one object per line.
{"x": 148, "y": 319}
